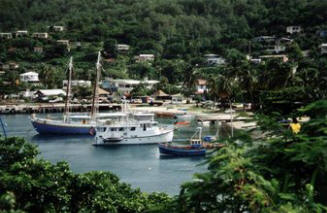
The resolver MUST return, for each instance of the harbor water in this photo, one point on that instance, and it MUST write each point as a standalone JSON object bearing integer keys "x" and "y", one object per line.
{"x": 139, "y": 165}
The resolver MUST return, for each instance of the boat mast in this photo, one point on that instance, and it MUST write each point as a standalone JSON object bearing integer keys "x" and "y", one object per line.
{"x": 68, "y": 90}
{"x": 95, "y": 106}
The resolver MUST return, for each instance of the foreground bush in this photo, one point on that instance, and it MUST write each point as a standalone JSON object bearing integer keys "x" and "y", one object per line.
{"x": 31, "y": 184}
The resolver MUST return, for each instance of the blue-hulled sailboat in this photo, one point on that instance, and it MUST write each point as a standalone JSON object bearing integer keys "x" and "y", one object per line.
{"x": 72, "y": 124}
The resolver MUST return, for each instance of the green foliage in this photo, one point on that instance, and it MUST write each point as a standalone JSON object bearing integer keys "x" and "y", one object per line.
{"x": 277, "y": 172}
{"x": 31, "y": 184}
{"x": 140, "y": 90}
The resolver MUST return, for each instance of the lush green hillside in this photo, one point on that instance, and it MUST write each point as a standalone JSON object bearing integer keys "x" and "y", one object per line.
{"x": 168, "y": 28}
{"x": 178, "y": 33}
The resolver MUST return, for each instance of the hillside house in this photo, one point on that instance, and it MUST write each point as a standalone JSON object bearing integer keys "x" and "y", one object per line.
{"x": 323, "y": 48}
{"x": 214, "y": 60}
{"x": 4, "y": 66}
{"x": 65, "y": 43}
{"x": 13, "y": 65}
{"x": 58, "y": 28}
{"x": 38, "y": 49}
{"x": 266, "y": 39}
{"x": 293, "y": 29}
{"x": 29, "y": 77}
{"x": 144, "y": 58}
{"x": 6, "y": 35}
{"x": 279, "y": 48}
{"x": 21, "y": 33}
{"x": 122, "y": 47}
{"x": 40, "y": 35}
{"x": 201, "y": 86}
{"x": 77, "y": 83}
{"x": 283, "y": 58}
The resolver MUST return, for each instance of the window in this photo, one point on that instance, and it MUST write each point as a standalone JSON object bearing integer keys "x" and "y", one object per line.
{"x": 133, "y": 128}
{"x": 121, "y": 129}
{"x": 113, "y": 129}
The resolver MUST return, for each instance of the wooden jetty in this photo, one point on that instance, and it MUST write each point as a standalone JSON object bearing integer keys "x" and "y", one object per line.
{"x": 55, "y": 107}
{"x": 222, "y": 117}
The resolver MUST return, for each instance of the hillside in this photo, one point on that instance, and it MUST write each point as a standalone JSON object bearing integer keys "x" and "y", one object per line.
{"x": 179, "y": 33}
{"x": 168, "y": 28}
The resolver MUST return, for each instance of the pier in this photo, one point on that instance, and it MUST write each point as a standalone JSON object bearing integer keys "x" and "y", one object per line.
{"x": 56, "y": 107}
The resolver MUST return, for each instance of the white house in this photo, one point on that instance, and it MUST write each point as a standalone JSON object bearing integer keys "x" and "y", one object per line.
{"x": 38, "y": 49}
{"x": 40, "y": 35}
{"x": 76, "y": 83}
{"x": 65, "y": 43}
{"x": 201, "y": 86}
{"x": 214, "y": 59}
{"x": 50, "y": 92}
{"x": 21, "y": 33}
{"x": 122, "y": 47}
{"x": 283, "y": 58}
{"x": 58, "y": 28}
{"x": 279, "y": 48}
{"x": 6, "y": 35}
{"x": 127, "y": 85}
{"x": 266, "y": 39}
{"x": 29, "y": 77}
{"x": 323, "y": 48}
{"x": 144, "y": 57}
{"x": 293, "y": 29}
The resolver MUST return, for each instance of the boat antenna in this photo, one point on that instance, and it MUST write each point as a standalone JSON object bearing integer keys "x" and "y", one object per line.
{"x": 3, "y": 128}
{"x": 95, "y": 106}
{"x": 68, "y": 90}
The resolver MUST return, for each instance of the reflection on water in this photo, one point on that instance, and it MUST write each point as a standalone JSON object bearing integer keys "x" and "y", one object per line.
{"x": 139, "y": 165}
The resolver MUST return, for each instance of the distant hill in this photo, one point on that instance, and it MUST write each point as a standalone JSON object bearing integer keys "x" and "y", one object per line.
{"x": 166, "y": 27}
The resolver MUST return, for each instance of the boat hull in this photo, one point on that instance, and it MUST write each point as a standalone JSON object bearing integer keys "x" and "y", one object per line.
{"x": 180, "y": 151}
{"x": 164, "y": 137}
{"x": 44, "y": 127}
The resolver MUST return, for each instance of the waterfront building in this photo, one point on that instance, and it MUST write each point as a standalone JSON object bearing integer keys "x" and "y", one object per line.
{"x": 50, "y": 93}
{"x": 29, "y": 77}
{"x": 126, "y": 85}
{"x": 76, "y": 83}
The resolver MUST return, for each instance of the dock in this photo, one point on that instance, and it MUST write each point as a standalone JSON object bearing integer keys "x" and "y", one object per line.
{"x": 222, "y": 117}
{"x": 55, "y": 107}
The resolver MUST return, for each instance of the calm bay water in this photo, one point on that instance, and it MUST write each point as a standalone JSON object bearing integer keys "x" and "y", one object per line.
{"x": 139, "y": 165}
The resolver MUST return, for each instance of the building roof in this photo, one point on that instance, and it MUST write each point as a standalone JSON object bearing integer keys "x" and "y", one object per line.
{"x": 133, "y": 82}
{"x": 210, "y": 55}
{"x": 102, "y": 91}
{"x": 29, "y": 73}
{"x": 51, "y": 92}
{"x": 160, "y": 93}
